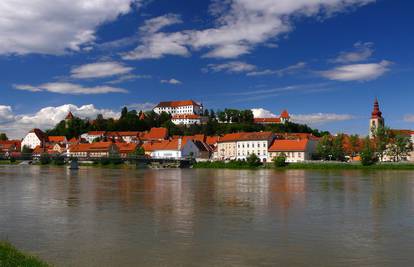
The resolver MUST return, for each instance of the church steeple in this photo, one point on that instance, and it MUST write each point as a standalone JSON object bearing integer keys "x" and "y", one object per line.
{"x": 377, "y": 120}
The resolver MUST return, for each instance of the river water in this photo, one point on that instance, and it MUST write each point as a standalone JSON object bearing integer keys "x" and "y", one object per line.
{"x": 107, "y": 217}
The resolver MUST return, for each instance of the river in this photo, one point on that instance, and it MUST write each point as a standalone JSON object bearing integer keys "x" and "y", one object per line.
{"x": 109, "y": 217}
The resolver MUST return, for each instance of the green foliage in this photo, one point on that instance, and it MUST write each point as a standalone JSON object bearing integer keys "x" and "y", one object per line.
{"x": 253, "y": 160}
{"x": 331, "y": 148}
{"x": 3, "y": 137}
{"x": 10, "y": 256}
{"x": 44, "y": 159}
{"x": 12, "y": 160}
{"x": 381, "y": 139}
{"x": 367, "y": 154}
{"x": 58, "y": 160}
{"x": 105, "y": 161}
{"x": 280, "y": 161}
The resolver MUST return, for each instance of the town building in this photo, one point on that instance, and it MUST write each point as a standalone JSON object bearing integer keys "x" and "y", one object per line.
{"x": 93, "y": 150}
{"x": 254, "y": 143}
{"x": 126, "y": 149}
{"x": 376, "y": 121}
{"x": 57, "y": 139}
{"x": 298, "y": 150}
{"x": 155, "y": 134}
{"x": 179, "y": 107}
{"x": 283, "y": 118}
{"x": 93, "y": 135}
{"x": 34, "y": 138}
{"x": 226, "y": 147}
{"x": 171, "y": 149}
{"x": 188, "y": 119}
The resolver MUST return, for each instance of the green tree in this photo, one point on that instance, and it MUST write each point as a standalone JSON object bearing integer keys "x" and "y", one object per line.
{"x": 324, "y": 148}
{"x": 337, "y": 150}
{"x": 381, "y": 139}
{"x": 3, "y": 137}
{"x": 367, "y": 153}
{"x": 354, "y": 145}
{"x": 399, "y": 147}
{"x": 253, "y": 160}
{"x": 280, "y": 161}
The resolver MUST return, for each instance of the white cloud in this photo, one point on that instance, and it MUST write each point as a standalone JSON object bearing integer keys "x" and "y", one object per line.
{"x": 320, "y": 118}
{"x": 157, "y": 44}
{"x": 262, "y": 113}
{"x": 17, "y": 125}
{"x": 5, "y": 114}
{"x": 100, "y": 70}
{"x": 54, "y": 27}
{"x": 128, "y": 78}
{"x": 281, "y": 72}
{"x": 240, "y": 25}
{"x": 362, "y": 52}
{"x": 409, "y": 118}
{"x": 357, "y": 72}
{"x": 69, "y": 88}
{"x": 142, "y": 106}
{"x": 230, "y": 67}
{"x": 171, "y": 81}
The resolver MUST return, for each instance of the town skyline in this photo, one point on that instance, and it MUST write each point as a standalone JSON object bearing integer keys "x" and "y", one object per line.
{"x": 324, "y": 63}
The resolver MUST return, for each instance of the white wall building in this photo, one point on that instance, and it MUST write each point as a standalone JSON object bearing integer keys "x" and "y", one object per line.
{"x": 179, "y": 107}
{"x": 174, "y": 149}
{"x": 91, "y": 136}
{"x": 34, "y": 138}
{"x": 294, "y": 150}
{"x": 254, "y": 143}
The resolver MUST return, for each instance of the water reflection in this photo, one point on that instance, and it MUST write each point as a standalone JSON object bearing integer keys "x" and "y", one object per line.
{"x": 104, "y": 217}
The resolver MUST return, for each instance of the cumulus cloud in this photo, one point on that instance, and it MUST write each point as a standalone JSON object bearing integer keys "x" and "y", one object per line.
{"x": 230, "y": 67}
{"x": 262, "y": 113}
{"x": 171, "y": 81}
{"x": 362, "y": 52}
{"x": 281, "y": 72}
{"x": 54, "y": 27}
{"x": 357, "y": 72}
{"x": 100, "y": 70}
{"x": 240, "y": 25}
{"x": 69, "y": 88}
{"x": 320, "y": 118}
{"x": 17, "y": 125}
{"x": 158, "y": 44}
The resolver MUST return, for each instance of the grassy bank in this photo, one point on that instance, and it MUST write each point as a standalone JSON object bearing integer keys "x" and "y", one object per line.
{"x": 306, "y": 166}
{"x": 9, "y": 162}
{"x": 11, "y": 257}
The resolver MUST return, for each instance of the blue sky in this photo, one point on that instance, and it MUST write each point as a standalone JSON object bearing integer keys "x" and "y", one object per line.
{"x": 325, "y": 61}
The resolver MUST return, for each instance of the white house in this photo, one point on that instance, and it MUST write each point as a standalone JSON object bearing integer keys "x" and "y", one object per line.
{"x": 179, "y": 107}
{"x": 298, "y": 150}
{"x": 254, "y": 143}
{"x": 34, "y": 138}
{"x": 92, "y": 135}
{"x": 188, "y": 119}
{"x": 173, "y": 149}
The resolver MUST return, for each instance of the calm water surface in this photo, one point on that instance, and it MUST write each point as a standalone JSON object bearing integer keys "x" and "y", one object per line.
{"x": 101, "y": 217}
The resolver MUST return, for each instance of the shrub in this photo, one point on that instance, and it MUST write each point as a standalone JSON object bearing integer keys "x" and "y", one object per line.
{"x": 253, "y": 161}
{"x": 105, "y": 161}
{"x": 12, "y": 160}
{"x": 44, "y": 159}
{"x": 58, "y": 160}
{"x": 280, "y": 161}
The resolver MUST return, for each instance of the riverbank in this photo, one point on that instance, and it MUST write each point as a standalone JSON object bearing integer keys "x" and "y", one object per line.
{"x": 306, "y": 166}
{"x": 10, "y": 256}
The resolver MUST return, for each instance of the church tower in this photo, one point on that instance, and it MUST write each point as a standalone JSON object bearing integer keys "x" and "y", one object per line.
{"x": 376, "y": 121}
{"x": 69, "y": 118}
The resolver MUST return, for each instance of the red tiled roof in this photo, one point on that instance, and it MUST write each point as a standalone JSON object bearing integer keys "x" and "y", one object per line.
{"x": 69, "y": 116}
{"x": 233, "y": 137}
{"x": 285, "y": 114}
{"x": 163, "y": 145}
{"x": 267, "y": 120}
{"x": 17, "y": 143}
{"x": 289, "y": 145}
{"x": 57, "y": 139}
{"x": 156, "y": 134}
{"x": 94, "y": 147}
{"x": 212, "y": 140}
{"x": 39, "y": 133}
{"x": 178, "y": 103}
{"x": 126, "y": 147}
{"x": 96, "y": 133}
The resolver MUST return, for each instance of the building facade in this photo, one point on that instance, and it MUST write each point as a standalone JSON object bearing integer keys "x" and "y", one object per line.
{"x": 34, "y": 138}
{"x": 376, "y": 121}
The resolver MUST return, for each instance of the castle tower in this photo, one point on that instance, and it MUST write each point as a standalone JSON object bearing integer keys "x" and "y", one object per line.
{"x": 68, "y": 118}
{"x": 376, "y": 120}
{"x": 284, "y": 116}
